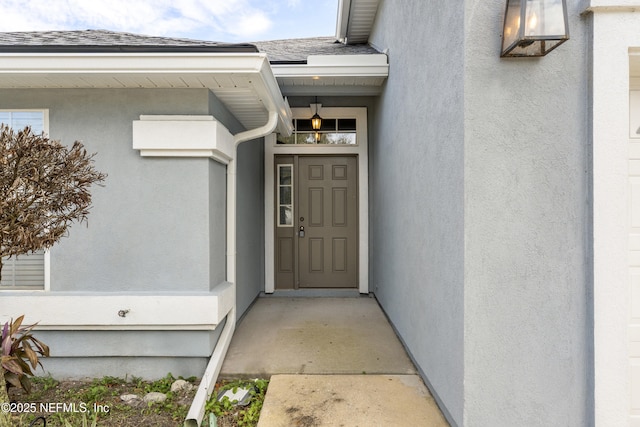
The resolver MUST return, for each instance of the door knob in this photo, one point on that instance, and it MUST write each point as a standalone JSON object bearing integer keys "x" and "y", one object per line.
{"x": 301, "y": 232}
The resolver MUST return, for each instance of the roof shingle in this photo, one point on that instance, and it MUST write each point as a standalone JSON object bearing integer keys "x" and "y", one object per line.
{"x": 297, "y": 50}
{"x": 278, "y": 51}
{"x": 101, "y": 40}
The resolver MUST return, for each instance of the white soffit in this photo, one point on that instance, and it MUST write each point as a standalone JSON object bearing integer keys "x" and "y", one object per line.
{"x": 333, "y": 74}
{"x": 355, "y": 19}
{"x": 243, "y": 82}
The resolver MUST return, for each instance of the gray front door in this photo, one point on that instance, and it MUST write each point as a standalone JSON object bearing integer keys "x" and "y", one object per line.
{"x": 317, "y": 233}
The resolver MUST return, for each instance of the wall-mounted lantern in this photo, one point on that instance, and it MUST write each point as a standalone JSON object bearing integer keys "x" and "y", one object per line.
{"x": 534, "y": 27}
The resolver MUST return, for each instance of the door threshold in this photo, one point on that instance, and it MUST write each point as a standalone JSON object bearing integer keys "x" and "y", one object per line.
{"x": 314, "y": 293}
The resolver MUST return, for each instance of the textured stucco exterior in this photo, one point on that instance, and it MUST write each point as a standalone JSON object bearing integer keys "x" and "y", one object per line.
{"x": 480, "y": 216}
{"x": 528, "y": 333}
{"x": 250, "y": 224}
{"x": 149, "y": 225}
{"x": 417, "y": 189}
{"x": 158, "y": 225}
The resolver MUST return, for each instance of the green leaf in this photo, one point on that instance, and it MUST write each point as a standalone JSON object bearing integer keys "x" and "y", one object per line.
{"x": 12, "y": 366}
{"x": 25, "y": 383}
{"x": 42, "y": 347}
{"x": 15, "y": 325}
{"x": 6, "y": 346}
{"x": 31, "y": 355}
{"x": 12, "y": 379}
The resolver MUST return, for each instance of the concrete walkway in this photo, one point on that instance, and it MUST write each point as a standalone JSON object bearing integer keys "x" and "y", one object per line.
{"x": 332, "y": 362}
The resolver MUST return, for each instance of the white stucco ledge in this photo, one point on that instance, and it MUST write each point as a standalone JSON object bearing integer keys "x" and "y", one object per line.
{"x": 122, "y": 311}
{"x": 613, "y": 6}
{"x": 182, "y": 136}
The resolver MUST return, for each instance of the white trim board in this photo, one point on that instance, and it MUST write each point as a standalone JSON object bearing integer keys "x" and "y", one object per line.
{"x": 375, "y": 65}
{"x": 615, "y": 37}
{"x": 135, "y": 311}
{"x": 361, "y": 150}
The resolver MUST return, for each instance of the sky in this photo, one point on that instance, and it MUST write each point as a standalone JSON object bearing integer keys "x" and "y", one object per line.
{"x": 214, "y": 20}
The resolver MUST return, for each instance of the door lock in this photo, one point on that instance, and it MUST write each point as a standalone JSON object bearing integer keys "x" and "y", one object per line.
{"x": 301, "y": 232}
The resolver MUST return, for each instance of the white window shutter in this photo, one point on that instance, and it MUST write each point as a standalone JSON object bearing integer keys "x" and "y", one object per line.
{"x": 23, "y": 271}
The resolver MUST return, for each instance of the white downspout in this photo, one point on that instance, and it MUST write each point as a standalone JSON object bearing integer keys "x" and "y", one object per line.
{"x": 196, "y": 411}
{"x": 239, "y": 138}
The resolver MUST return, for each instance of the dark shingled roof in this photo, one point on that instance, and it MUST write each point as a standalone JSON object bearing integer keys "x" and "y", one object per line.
{"x": 102, "y": 40}
{"x": 278, "y": 51}
{"x": 297, "y": 50}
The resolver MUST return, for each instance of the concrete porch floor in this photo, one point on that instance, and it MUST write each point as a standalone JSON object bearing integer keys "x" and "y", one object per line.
{"x": 332, "y": 361}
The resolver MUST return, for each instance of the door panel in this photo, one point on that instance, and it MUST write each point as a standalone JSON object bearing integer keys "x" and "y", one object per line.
{"x": 323, "y": 195}
{"x": 327, "y": 210}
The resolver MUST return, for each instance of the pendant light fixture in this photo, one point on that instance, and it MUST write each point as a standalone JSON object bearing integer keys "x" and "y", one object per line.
{"x": 316, "y": 122}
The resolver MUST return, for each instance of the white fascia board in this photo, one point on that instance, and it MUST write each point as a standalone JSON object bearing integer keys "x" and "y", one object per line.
{"x": 270, "y": 86}
{"x": 138, "y": 63}
{"x": 336, "y": 65}
{"x": 135, "y": 311}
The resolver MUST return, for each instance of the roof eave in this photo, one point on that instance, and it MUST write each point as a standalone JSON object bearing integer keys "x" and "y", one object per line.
{"x": 128, "y": 70}
{"x": 336, "y": 75}
{"x": 336, "y": 65}
{"x": 355, "y": 20}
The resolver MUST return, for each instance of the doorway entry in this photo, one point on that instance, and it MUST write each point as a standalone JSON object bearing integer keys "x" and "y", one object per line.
{"x": 316, "y": 241}
{"x": 341, "y": 183}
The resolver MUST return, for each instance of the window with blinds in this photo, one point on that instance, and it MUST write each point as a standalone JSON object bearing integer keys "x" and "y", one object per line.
{"x": 24, "y": 271}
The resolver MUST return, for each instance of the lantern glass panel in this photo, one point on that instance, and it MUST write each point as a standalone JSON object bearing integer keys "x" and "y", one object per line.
{"x": 511, "y": 23}
{"x": 544, "y": 18}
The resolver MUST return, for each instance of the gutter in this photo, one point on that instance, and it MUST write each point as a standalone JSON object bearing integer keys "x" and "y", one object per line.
{"x": 196, "y": 411}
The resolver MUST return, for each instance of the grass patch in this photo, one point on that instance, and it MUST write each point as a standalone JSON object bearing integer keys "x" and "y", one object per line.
{"x": 227, "y": 413}
{"x": 97, "y": 403}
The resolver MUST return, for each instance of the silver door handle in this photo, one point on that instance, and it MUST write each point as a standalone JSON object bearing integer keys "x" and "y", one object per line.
{"x": 301, "y": 232}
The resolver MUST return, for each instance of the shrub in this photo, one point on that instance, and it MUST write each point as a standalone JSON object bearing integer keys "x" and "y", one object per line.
{"x": 21, "y": 353}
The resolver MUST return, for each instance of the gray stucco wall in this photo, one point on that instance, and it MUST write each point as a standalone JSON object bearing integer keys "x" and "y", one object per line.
{"x": 250, "y": 224}
{"x": 417, "y": 189}
{"x": 158, "y": 225}
{"x": 480, "y": 223}
{"x": 528, "y": 356}
{"x": 149, "y": 226}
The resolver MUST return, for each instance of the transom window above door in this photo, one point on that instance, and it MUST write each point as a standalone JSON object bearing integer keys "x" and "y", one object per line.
{"x": 332, "y": 131}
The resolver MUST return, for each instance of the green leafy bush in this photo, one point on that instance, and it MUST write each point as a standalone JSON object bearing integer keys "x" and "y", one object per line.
{"x": 21, "y": 353}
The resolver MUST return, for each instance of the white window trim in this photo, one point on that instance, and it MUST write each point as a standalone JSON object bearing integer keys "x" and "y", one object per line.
{"x": 47, "y": 254}
{"x": 360, "y": 149}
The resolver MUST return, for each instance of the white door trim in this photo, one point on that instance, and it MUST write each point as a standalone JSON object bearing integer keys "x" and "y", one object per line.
{"x": 614, "y": 37}
{"x": 361, "y": 150}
